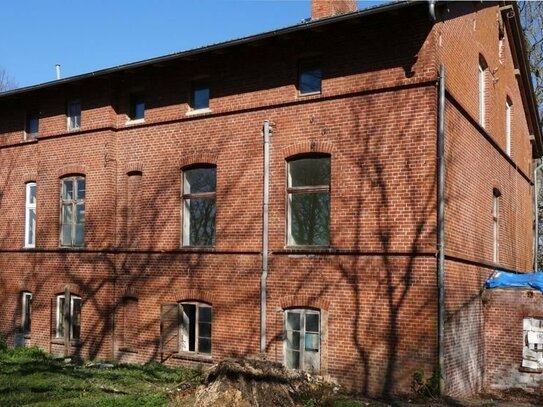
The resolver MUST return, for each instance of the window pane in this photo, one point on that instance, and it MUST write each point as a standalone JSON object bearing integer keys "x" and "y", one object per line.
{"x": 60, "y": 317}
{"x": 293, "y": 340}
{"x": 310, "y": 78}
{"x": 204, "y": 329}
{"x": 309, "y": 172}
{"x": 137, "y": 106}
{"x": 81, "y": 188}
{"x": 76, "y": 317}
{"x": 79, "y": 234}
{"x": 32, "y": 124}
{"x": 204, "y": 345}
{"x": 31, "y": 226}
{"x": 31, "y": 199}
{"x": 67, "y": 189}
{"x": 80, "y": 213}
{"x": 200, "y": 97}
{"x": 309, "y": 219}
{"x": 311, "y": 342}
{"x": 67, "y": 214}
{"x": 190, "y": 315}
{"x": 66, "y": 235}
{"x": 202, "y": 221}
{"x": 293, "y": 359}
{"x": 198, "y": 180}
{"x": 293, "y": 321}
{"x": 205, "y": 314}
{"x": 312, "y": 322}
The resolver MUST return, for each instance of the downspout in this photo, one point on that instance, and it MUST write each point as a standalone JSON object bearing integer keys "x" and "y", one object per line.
{"x": 441, "y": 228}
{"x": 536, "y": 210}
{"x": 265, "y": 203}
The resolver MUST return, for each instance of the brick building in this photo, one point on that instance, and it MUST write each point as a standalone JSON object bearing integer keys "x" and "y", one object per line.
{"x": 144, "y": 208}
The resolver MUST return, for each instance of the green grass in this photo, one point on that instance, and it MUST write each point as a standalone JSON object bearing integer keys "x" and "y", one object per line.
{"x": 29, "y": 376}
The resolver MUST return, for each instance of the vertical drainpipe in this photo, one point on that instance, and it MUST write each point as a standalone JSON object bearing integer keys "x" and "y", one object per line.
{"x": 441, "y": 228}
{"x": 536, "y": 215}
{"x": 265, "y": 202}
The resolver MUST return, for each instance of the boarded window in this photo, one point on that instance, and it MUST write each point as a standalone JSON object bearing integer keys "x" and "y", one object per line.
{"x": 129, "y": 324}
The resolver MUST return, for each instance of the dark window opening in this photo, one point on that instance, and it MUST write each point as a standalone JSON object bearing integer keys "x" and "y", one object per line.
{"x": 309, "y": 77}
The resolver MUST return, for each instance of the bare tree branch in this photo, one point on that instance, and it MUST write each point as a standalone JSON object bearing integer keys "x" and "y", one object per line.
{"x": 6, "y": 81}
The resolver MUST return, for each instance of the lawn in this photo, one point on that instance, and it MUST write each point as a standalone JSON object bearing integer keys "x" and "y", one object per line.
{"x": 29, "y": 376}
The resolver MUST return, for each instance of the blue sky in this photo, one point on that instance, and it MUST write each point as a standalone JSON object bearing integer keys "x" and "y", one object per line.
{"x": 85, "y": 36}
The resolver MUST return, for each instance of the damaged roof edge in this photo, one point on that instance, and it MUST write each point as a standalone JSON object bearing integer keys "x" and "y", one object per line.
{"x": 209, "y": 48}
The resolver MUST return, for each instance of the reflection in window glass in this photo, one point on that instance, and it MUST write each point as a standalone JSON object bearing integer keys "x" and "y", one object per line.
{"x": 302, "y": 339}
{"x": 30, "y": 215}
{"x": 72, "y": 228}
{"x": 310, "y": 77}
{"x": 74, "y": 317}
{"x": 137, "y": 106}
{"x": 199, "y": 206}
{"x": 309, "y": 202}
{"x": 200, "y": 97}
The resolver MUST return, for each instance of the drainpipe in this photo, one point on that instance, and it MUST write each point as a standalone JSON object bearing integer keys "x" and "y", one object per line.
{"x": 536, "y": 209}
{"x": 265, "y": 204}
{"x": 441, "y": 228}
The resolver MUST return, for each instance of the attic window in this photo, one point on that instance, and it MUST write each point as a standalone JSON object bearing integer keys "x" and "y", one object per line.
{"x": 200, "y": 96}
{"x": 137, "y": 106}
{"x": 309, "y": 77}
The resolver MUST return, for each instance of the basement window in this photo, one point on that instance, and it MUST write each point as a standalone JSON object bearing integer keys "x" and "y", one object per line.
{"x": 302, "y": 339}
{"x": 309, "y": 78}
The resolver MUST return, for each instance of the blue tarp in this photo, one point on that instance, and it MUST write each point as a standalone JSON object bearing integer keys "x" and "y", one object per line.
{"x": 503, "y": 279}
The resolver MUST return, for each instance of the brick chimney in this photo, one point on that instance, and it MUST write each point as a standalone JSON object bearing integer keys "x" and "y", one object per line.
{"x": 329, "y": 8}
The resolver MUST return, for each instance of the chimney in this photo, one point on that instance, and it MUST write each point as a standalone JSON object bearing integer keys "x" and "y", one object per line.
{"x": 329, "y": 8}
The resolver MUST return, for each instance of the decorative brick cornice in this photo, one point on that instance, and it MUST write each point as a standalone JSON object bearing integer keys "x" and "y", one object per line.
{"x": 134, "y": 167}
{"x": 198, "y": 158}
{"x": 72, "y": 169}
{"x": 195, "y": 295}
{"x": 308, "y": 147}
{"x": 303, "y": 301}
{"x": 31, "y": 176}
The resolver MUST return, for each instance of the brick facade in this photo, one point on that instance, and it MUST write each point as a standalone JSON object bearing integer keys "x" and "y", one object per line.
{"x": 375, "y": 285}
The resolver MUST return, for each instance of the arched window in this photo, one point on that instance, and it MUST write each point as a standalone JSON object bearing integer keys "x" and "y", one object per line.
{"x": 508, "y": 117}
{"x": 308, "y": 195}
{"x": 302, "y": 339}
{"x": 483, "y": 73}
{"x": 199, "y": 205}
{"x": 72, "y": 208}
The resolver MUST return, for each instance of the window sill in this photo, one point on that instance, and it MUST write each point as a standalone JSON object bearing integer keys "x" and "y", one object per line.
{"x": 195, "y": 357}
{"x": 74, "y": 129}
{"x": 29, "y": 248}
{"x": 529, "y": 370}
{"x": 71, "y": 248}
{"x": 133, "y": 122}
{"x": 196, "y": 112}
{"x": 125, "y": 349}
{"x": 30, "y": 138}
{"x": 205, "y": 249}
{"x": 307, "y": 250}
{"x": 60, "y": 341}
{"x": 316, "y": 93}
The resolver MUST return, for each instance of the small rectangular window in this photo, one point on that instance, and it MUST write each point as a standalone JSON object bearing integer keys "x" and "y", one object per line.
{"x": 30, "y": 215}
{"x": 302, "y": 339}
{"x": 137, "y": 106}
{"x": 74, "y": 114}
{"x": 309, "y": 77}
{"x": 32, "y": 123}
{"x": 200, "y": 96}
{"x": 26, "y": 313}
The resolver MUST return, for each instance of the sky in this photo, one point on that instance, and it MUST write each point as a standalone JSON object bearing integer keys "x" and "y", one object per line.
{"x": 86, "y": 36}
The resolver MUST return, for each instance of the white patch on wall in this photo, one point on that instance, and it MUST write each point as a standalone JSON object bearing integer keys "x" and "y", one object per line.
{"x": 532, "y": 352}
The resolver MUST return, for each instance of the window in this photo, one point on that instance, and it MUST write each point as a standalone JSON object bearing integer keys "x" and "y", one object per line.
{"x": 26, "y": 313}
{"x": 30, "y": 215}
{"x": 302, "y": 339}
{"x": 482, "y": 91}
{"x": 199, "y": 186}
{"x": 309, "y": 77}
{"x": 129, "y": 329}
{"x": 308, "y": 190}
{"x": 532, "y": 352}
{"x": 70, "y": 315}
{"x": 186, "y": 327}
{"x": 133, "y": 202}
{"x": 32, "y": 123}
{"x": 200, "y": 96}
{"x": 496, "y": 226}
{"x": 72, "y": 217}
{"x": 137, "y": 106}
{"x": 74, "y": 114}
{"x": 508, "y": 112}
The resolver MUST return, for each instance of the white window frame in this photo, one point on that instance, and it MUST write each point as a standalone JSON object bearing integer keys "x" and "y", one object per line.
{"x": 30, "y": 207}
{"x": 508, "y": 114}
{"x": 74, "y": 202}
{"x": 184, "y": 336}
{"x": 26, "y": 309}
{"x": 60, "y": 316}
{"x": 496, "y": 226}
{"x": 303, "y": 313}
{"x": 482, "y": 95}
{"x": 73, "y": 121}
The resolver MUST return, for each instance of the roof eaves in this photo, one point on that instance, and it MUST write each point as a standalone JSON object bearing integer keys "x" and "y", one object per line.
{"x": 305, "y": 25}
